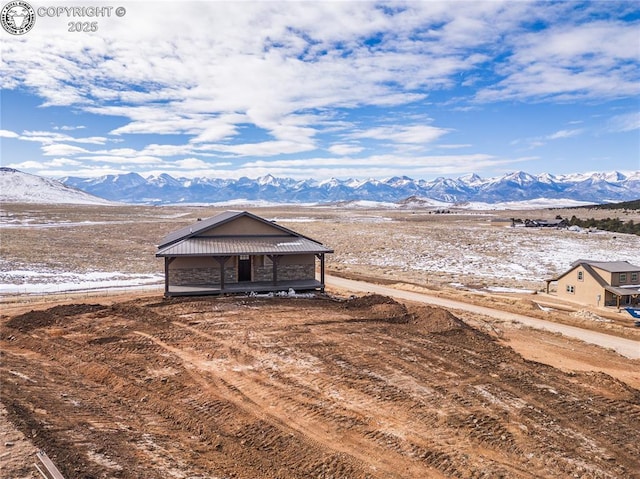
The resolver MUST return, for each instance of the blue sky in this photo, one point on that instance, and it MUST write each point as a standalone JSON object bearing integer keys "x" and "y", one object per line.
{"x": 325, "y": 89}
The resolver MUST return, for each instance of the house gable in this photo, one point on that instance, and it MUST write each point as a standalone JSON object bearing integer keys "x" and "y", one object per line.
{"x": 235, "y": 221}
{"x": 244, "y": 226}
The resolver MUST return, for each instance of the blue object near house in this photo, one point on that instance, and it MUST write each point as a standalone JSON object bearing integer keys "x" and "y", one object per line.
{"x": 635, "y": 312}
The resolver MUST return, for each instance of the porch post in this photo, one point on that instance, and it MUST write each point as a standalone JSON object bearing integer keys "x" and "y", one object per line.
{"x": 167, "y": 262}
{"x": 221, "y": 261}
{"x": 274, "y": 260}
{"x": 321, "y": 256}
{"x": 166, "y": 276}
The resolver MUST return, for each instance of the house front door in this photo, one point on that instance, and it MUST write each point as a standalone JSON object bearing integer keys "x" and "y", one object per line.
{"x": 244, "y": 268}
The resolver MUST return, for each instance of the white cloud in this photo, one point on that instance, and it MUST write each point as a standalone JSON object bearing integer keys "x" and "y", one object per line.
{"x": 343, "y": 149}
{"x": 69, "y": 128}
{"x": 264, "y": 148}
{"x": 568, "y": 62}
{"x": 38, "y": 165}
{"x": 124, "y": 160}
{"x": 414, "y": 134}
{"x": 48, "y": 138}
{"x": 192, "y": 163}
{"x": 8, "y": 134}
{"x": 564, "y": 134}
{"x": 61, "y": 149}
{"x": 625, "y": 122}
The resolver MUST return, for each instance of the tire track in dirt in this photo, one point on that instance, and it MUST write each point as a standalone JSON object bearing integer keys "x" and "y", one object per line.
{"x": 309, "y": 419}
{"x": 317, "y": 388}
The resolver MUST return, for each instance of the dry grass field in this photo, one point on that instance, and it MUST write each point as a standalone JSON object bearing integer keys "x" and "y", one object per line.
{"x": 469, "y": 248}
{"x": 135, "y": 386}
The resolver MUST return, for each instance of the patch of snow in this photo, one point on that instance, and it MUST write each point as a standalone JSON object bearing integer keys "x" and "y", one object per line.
{"x": 520, "y": 254}
{"x": 501, "y": 289}
{"x": 302, "y": 219}
{"x": 586, "y": 314}
{"x": 543, "y": 308}
{"x": 42, "y": 282}
{"x": 19, "y": 187}
{"x": 282, "y": 294}
{"x": 538, "y": 203}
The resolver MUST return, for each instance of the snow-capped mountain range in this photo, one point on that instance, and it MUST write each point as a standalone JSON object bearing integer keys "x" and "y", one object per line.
{"x": 518, "y": 186}
{"x": 511, "y": 190}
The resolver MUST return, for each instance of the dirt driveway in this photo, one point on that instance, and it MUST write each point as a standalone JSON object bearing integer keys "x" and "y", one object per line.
{"x": 299, "y": 388}
{"x": 626, "y": 347}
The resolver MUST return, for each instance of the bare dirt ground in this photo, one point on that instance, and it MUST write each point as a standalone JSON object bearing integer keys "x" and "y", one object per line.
{"x": 295, "y": 388}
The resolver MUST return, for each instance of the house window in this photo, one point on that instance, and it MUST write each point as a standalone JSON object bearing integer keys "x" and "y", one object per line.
{"x": 580, "y": 275}
{"x": 634, "y": 278}
{"x": 623, "y": 277}
{"x": 570, "y": 289}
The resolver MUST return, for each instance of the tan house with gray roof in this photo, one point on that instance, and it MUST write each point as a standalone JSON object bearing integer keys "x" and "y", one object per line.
{"x": 600, "y": 283}
{"x": 239, "y": 252}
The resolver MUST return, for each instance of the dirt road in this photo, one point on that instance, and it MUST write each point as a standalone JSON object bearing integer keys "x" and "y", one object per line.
{"x": 626, "y": 347}
{"x": 299, "y": 388}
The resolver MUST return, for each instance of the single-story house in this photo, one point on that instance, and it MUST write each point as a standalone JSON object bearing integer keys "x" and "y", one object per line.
{"x": 239, "y": 252}
{"x": 600, "y": 283}
{"x": 557, "y": 223}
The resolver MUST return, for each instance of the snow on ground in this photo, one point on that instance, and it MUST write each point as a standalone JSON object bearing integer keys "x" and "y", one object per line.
{"x": 500, "y": 254}
{"x": 538, "y": 203}
{"x": 47, "y": 281}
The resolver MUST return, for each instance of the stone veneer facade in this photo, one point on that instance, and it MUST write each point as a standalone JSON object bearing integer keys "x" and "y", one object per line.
{"x": 211, "y": 276}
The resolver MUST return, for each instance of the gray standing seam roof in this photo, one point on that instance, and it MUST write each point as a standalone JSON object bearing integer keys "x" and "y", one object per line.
{"x": 231, "y": 246}
{"x": 219, "y": 219}
{"x": 609, "y": 266}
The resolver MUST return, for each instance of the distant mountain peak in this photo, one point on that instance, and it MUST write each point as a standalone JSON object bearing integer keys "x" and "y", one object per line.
{"x": 19, "y": 187}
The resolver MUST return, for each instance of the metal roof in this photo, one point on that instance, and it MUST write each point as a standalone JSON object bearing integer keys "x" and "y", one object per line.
{"x": 220, "y": 219}
{"x": 196, "y": 228}
{"x": 609, "y": 266}
{"x": 614, "y": 266}
{"x": 231, "y": 246}
{"x": 623, "y": 291}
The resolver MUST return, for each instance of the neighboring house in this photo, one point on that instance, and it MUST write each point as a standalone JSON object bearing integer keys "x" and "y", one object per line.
{"x": 600, "y": 283}
{"x": 239, "y": 252}
{"x": 557, "y": 223}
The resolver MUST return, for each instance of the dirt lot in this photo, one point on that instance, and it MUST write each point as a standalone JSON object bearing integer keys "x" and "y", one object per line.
{"x": 294, "y": 388}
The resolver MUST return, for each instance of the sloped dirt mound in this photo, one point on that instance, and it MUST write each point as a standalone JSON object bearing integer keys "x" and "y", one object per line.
{"x": 52, "y": 316}
{"x": 368, "y": 301}
{"x": 437, "y": 320}
{"x": 378, "y": 308}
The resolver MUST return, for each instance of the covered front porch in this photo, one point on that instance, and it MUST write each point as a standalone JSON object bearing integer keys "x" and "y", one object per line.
{"x": 243, "y": 287}
{"x": 621, "y": 296}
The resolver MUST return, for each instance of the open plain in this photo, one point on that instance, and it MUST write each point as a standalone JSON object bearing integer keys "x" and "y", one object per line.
{"x": 130, "y": 385}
